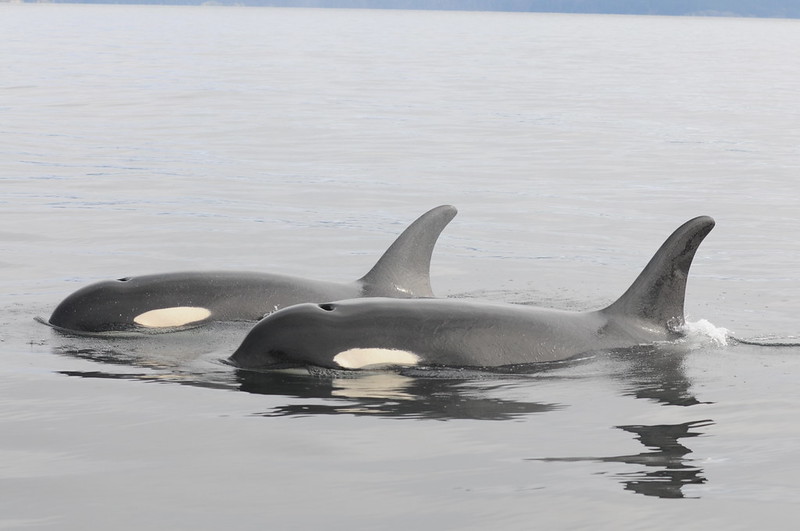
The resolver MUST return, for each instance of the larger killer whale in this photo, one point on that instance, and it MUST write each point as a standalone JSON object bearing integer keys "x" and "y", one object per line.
{"x": 382, "y": 333}
{"x": 175, "y": 301}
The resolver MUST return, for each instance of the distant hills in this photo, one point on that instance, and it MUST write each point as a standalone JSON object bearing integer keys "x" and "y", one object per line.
{"x": 739, "y": 8}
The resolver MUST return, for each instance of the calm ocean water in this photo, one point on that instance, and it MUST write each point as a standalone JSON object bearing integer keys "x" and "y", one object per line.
{"x": 144, "y": 139}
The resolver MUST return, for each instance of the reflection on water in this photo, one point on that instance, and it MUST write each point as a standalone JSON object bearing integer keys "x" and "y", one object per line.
{"x": 653, "y": 373}
{"x": 151, "y": 377}
{"x": 388, "y": 394}
{"x": 168, "y": 352}
{"x": 656, "y": 373}
{"x": 668, "y": 455}
{"x": 385, "y": 394}
{"x": 667, "y": 470}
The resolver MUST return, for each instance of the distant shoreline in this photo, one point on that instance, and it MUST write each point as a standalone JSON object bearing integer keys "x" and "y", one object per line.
{"x": 712, "y": 8}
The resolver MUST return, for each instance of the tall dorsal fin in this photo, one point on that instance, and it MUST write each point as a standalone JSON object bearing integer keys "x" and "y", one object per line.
{"x": 658, "y": 292}
{"x": 404, "y": 269}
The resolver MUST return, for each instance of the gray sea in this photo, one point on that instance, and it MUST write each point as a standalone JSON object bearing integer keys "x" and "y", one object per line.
{"x": 144, "y": 139}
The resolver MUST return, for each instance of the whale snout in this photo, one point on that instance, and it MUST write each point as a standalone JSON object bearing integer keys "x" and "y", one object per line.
{"x": 72, "y": 314}
{"x": 274, "y": 341}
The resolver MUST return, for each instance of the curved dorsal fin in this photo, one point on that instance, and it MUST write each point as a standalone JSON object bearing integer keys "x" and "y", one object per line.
{"x": 404, "y": 269}
{"x": 658, "y": 292}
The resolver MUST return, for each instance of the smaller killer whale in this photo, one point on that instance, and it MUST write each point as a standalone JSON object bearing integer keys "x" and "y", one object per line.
{"x": 175, "y": 301}
{"x": 384, "y": 333}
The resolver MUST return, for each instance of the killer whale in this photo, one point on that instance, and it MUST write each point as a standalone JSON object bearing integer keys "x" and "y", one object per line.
{"x": 175, "y": 301}
{"x": 380, "y": 333}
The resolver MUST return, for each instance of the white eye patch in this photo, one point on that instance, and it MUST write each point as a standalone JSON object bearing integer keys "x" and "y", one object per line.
{"x": 169, "y": 317}
{"x": 362, "y": 358}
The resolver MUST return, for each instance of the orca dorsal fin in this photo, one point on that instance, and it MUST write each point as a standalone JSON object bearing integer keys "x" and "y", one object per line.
{"x": 658, "y": 293}
{"x": 404, "y": 269}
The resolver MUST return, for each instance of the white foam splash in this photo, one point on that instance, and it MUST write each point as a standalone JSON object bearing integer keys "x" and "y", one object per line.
{"x": 703, "y": 332}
